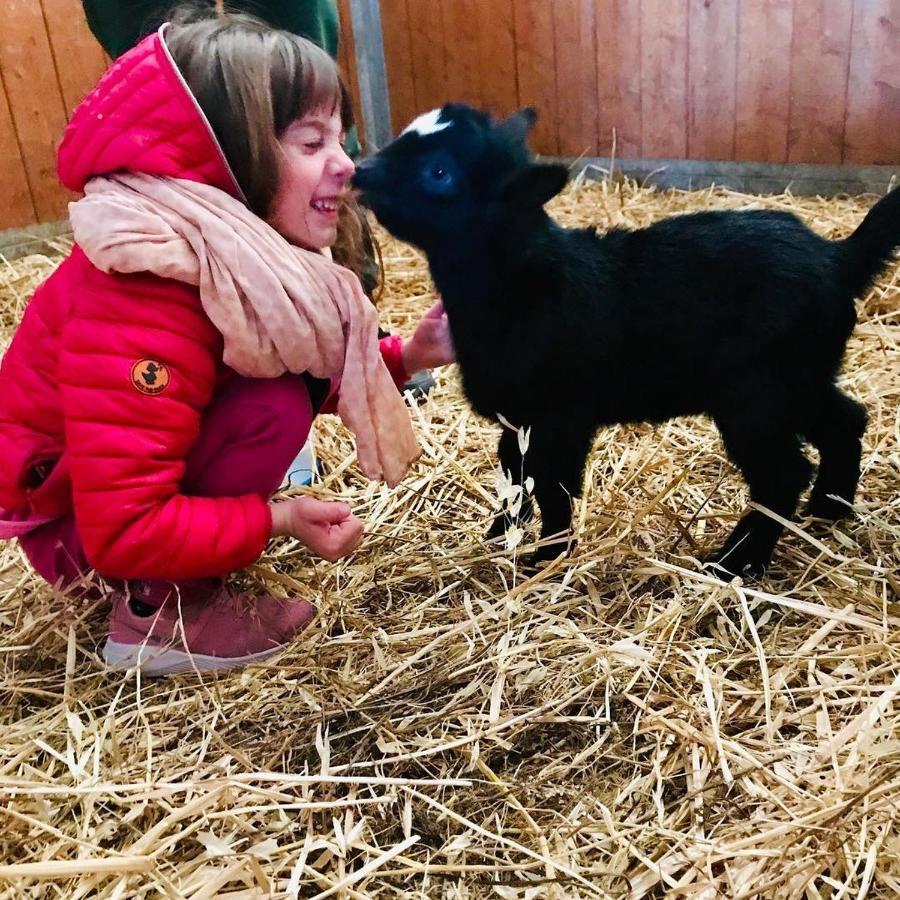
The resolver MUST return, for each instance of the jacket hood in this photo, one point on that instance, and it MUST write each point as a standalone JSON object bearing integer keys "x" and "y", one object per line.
{"x": 142, "y": 117}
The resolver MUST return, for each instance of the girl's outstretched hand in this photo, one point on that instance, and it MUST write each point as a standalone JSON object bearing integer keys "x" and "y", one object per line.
{"x": 431, "y": 344}
{"x": 328, "y": 528}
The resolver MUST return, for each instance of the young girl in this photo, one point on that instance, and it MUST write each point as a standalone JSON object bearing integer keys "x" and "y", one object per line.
{"x": 165, "y": 376}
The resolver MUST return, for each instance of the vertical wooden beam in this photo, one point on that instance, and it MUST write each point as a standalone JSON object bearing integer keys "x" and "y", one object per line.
{"x": 619, "y": 97}
{"x": 346, "y": 60}
{"x": 664, "y": 62}
{"x": 765, "y": 29}
{"x": 712, "y": 67}
{"x": 371, "y": 73}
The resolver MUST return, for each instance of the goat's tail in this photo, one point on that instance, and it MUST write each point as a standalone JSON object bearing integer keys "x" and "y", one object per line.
{"x": 869, "y": 249}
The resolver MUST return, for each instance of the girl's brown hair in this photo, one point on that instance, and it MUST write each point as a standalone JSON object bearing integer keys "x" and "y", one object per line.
{"x": 252, "y": 81}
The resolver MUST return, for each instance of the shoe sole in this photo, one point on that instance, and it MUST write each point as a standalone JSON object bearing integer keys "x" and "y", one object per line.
{"x": 168, "y": 661}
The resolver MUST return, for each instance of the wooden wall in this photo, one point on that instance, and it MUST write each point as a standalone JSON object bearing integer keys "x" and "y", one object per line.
{"x": 48, "y": 61}
{"x": 781, "y": 81}
{"x": 761, "y": 80}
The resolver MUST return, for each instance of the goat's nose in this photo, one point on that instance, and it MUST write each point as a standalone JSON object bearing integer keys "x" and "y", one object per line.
{"x": 367, "y": 171}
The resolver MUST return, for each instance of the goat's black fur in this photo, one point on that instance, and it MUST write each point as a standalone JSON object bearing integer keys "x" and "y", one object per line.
{"x": 743, "y": 316}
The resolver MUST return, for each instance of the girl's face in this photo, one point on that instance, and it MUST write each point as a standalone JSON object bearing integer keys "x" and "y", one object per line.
{"x": 314, "y": 180}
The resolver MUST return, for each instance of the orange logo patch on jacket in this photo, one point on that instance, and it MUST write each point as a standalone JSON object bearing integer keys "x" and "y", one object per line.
{"x": 150, "y": 376}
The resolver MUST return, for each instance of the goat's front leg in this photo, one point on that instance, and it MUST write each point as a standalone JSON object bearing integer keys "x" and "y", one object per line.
{"x": 555, "y": 460}
{"x": 512, "y": 464}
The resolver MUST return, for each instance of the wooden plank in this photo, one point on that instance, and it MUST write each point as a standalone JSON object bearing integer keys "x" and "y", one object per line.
{"x": 497, "y": 56}
{"x": 80, "y": 60}
{"x": 536, "y": 62}
{"x": 428, "y": 49}
{"x": 17, "y": 208}
{"x": 574, "y": 25}
{"x": 712, "y": 66}
{"x": 820, "y": 58}
{"x": 873, "y": 96}
{"x": 398, "y": 56}
{"x": 35, "y": 101}
{"x": 765, "y": 29}
{"x": 461, "y": 26}
{"x": 619, "y": 97}
{"x": 664, "y": 61}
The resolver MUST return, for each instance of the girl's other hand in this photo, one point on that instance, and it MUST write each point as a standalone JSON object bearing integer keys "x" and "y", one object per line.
{"x": 328, "y": 528}
{"x": 431, "y": 344}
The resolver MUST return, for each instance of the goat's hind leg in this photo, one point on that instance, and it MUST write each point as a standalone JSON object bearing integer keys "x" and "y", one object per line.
{"x": 769, "y": 456}
{"x": 835, "y": 428}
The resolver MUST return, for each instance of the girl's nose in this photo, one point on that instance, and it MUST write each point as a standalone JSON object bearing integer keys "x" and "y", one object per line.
{"x": 341, "y": 166}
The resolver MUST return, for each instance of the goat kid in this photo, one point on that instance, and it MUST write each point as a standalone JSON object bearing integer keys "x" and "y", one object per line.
{"x": 743, "y": 316}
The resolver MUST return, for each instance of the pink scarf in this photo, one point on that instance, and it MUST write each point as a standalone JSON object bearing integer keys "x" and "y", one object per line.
{"x": 279, "y": 308}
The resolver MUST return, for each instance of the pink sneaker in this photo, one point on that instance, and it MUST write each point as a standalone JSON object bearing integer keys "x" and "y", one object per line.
{"x": 209, "y": 630}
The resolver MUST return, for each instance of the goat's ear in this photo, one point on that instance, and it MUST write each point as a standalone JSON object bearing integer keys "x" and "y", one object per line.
{"x": 534, "y": 185}
{"x": 519, "y": 124}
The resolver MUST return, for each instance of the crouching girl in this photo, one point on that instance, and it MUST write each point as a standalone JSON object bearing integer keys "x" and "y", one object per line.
{"x": 165, "y": 376}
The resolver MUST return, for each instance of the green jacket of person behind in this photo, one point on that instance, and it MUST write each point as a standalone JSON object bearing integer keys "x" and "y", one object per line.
{"x": 119, "y": 24}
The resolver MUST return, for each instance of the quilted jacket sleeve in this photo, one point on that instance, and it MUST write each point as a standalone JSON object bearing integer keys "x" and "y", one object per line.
{"x": 137, "y": 368}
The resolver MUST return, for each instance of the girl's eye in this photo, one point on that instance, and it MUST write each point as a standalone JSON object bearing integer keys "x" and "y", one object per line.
{"x": 314, "y": 145}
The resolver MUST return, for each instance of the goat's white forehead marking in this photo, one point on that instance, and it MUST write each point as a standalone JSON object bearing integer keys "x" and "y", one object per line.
{"x": 427, "y": 123}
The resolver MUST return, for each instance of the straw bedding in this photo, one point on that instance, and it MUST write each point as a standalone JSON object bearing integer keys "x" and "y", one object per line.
{"x": 619, "y": 725}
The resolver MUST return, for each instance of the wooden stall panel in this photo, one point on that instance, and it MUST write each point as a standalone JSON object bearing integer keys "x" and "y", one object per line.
{"x": 462, "y": 57}
{"x": 820, "y": 57}
{"x": 873, "y": 97}
{"x": 497, "y": 56}
{"x": 664, "y": 61}
{"x": 576, "y": 76}
{"x": 79, "y": 58}
{"x": 536, "y": 63}
{"x": 429, "y": 46}
{"x": 619, "y": 97}
{"x": 17, "y": 209}
{"x": 35, "y": 102}
{"x": 398, "y": 60}
{"x": 712, "y": 73}
{"x": 765, "y": 29}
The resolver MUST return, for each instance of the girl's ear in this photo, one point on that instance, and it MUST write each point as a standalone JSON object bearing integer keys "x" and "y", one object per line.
{"x": 533, "y": 186}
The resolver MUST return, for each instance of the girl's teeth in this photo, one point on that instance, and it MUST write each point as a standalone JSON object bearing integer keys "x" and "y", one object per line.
{"x": 324, "y": 205}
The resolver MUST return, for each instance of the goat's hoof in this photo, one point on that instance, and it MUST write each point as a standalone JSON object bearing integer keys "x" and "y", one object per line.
{"x": 737, "y": 562}
{"x": 821, "y": 506}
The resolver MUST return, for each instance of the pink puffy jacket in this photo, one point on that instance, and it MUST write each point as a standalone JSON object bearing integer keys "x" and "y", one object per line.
{"x": 75, "y": 432}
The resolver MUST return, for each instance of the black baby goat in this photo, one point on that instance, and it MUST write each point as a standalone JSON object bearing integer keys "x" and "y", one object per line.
{"x": 743, "y": 316}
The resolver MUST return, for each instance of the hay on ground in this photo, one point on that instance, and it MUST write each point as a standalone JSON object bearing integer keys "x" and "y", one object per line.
{"x": 621, "y": 725}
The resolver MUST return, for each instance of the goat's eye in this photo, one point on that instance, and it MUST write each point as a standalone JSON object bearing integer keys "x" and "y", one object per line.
{"x": 439, "y": 178}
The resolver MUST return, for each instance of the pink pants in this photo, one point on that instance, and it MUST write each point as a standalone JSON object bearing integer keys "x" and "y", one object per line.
{"x": 250, "y": 434}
